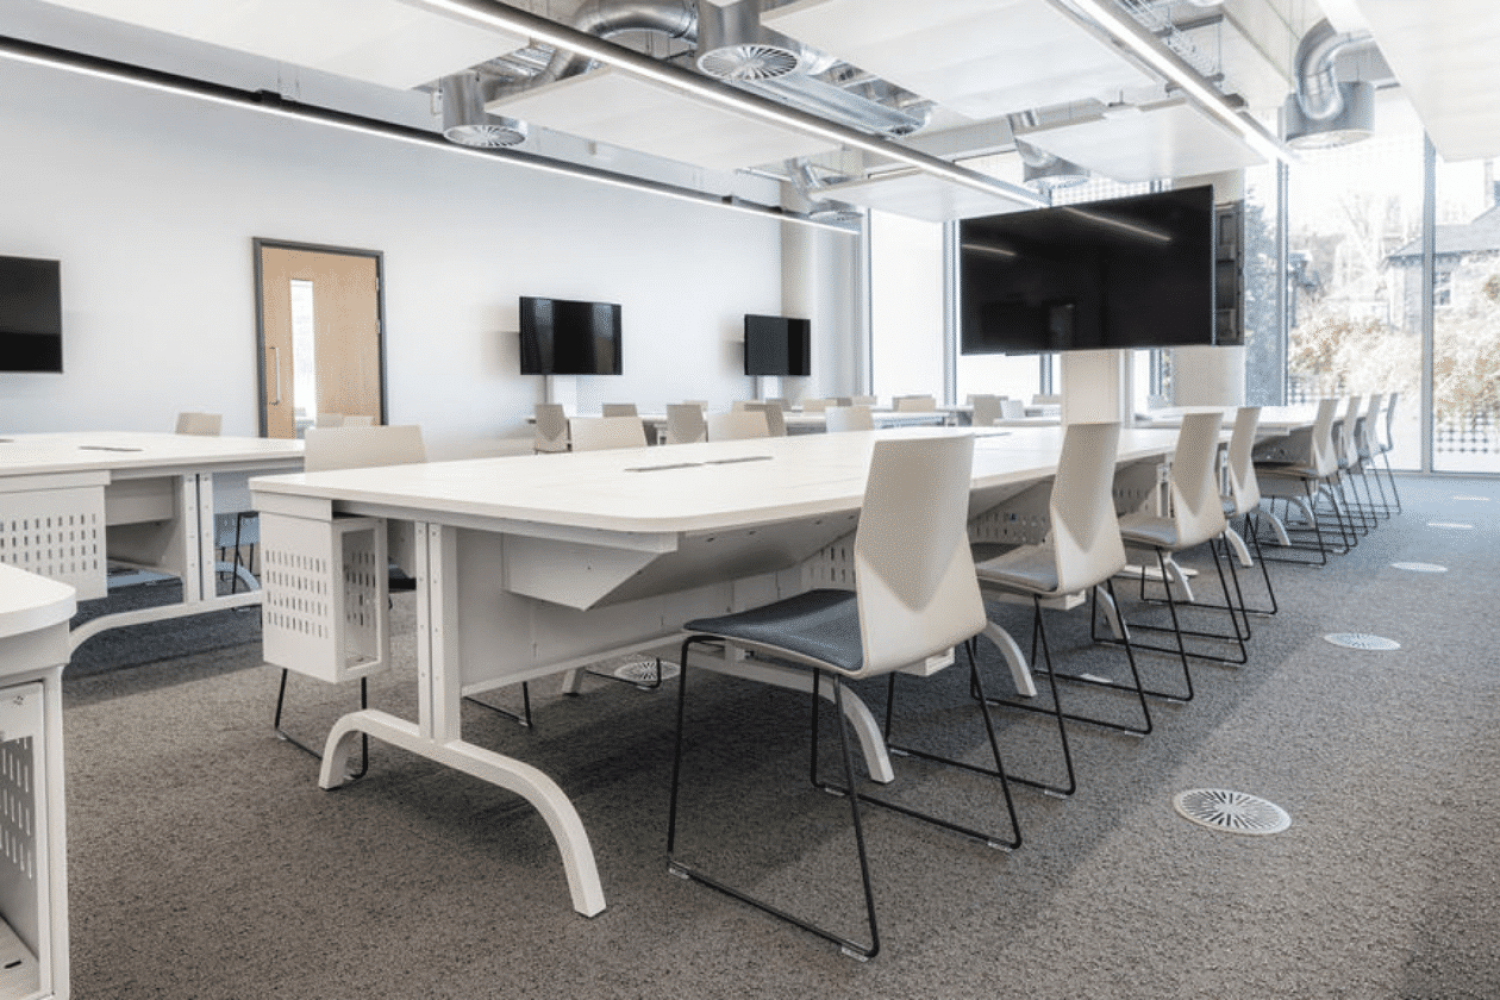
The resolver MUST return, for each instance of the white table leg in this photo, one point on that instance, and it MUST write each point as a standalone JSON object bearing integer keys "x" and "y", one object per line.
{"x": 505, "y": 772}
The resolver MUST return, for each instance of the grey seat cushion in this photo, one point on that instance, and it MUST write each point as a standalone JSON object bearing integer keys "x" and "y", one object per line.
{"x": 820, "y": 624}
{"x": 1031, "y": 569}
{"x": 1147, "y": 529}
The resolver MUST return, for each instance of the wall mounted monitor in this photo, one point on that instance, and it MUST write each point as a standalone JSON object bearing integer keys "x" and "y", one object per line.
{"x": 1128, "y": 272}
{"x": 30, "y": 315}
{"x": 563, "y": 337}
{"x": 777, "y": 345}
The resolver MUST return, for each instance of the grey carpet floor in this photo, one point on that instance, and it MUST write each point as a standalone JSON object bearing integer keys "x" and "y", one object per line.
{"x": 204, "y": 861}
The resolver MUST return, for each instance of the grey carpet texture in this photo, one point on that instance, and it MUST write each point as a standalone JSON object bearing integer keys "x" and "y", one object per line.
{"x": 204, "y": 861}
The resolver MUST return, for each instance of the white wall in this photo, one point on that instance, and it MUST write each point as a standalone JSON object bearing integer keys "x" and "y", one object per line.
{"x": 906, "y": 306}
{"x": 151, "y": 202}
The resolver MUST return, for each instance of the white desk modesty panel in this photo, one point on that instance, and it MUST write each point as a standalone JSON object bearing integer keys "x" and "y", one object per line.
{"x": 70, "y": 504}
{"x": 535, "y": 565}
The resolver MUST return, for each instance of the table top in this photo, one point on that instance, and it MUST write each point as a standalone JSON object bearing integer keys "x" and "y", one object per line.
{"x": 677, "y": 488}
{"x": 110, "y": 451}
{"x": 29, "y": 602}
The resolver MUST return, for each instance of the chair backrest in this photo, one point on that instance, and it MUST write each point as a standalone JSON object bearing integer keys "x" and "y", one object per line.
{"x": 775, "y": 417}
{"x": 862, "y": 401}
{"x": 739, "y": 405}
{"x": 602, "y": 433}
{"x": 1046, "y": 399}
{"x": 847, "y": 401}
{"x": 1390, "y": 422}
{"x": 330, "y": 448}
{"x": 1345, "y": 440}
{"x": 1012, "y": 409}
{"x": 551, "y": 430}
{"x": 777, "y": 401}
{"x": 848, "y": 418}
{"x": 987, "y": 410}
{"x": 359, "y": 420}
{"x": 620, "y": 410}
{"x": 702, "y": 404}
{"x": 914, "y": 577}
{"x": 915, "y": 404}
{"x": 202, "y": 424}
{"x": 1197, "y": 507}
{"x": 329, "y": 420}
{"x": 685, "y": 423}
{"x": 738, "y": 425}
{"x": 1322, "y": 456}
{"x": 1366, "y": 442}
{"x": 816, "y": 405}
{"x": 1244, "y": 488}
{"x": 1085, "y": 531}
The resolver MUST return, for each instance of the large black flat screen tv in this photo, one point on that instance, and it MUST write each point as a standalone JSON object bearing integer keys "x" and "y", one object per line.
{"x": 30, "y": 315}
{"x": 777, "y": 345}
{"x": 1129, "y": 272}
{"x": 561, "y": 337}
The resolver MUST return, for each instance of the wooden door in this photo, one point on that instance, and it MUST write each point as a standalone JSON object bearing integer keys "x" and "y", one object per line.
{"x": 320, "y": 336}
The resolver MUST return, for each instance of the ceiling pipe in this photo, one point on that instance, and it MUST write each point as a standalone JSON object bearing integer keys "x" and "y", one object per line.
{"x": 1318, "y": 93}
{"x": 115, "y": 71}
{"x": 494, "y": 14}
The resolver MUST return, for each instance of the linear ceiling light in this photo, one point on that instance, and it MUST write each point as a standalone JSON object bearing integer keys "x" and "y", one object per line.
{"x": 501, "y": 16}
{"x": 1129, "y": 32}
{"x": 38, "y": 54}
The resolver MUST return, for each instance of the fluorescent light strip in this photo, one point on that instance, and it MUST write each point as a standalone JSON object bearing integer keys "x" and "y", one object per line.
{"x": 492, "y": 13}
{"x": 152, "y": 80}
{"x": 1129, "y": 32}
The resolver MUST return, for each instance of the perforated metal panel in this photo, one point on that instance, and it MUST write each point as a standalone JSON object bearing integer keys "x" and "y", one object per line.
{"x": 23, "y": 843}
{"x": 831, "y": 567}
{"x": 325, "y": 585}
{"x": 58, "y": 534}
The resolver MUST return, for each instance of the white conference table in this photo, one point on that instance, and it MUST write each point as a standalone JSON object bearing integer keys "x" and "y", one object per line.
{"x": 530, "y": 566}
{"x": 72, "y": 504}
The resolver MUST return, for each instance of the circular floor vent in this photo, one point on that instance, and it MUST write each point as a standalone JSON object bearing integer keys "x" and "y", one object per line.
{"x": 642, "y": 671}
{"x": 1449, "y": 524}
{"x": 1361, "y": 640}
{"x": 1413, "y": 567}
{"x": 1231, "y": 812}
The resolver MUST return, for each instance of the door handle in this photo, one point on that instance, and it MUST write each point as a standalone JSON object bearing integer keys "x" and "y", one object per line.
{"x": 277, "y": 351}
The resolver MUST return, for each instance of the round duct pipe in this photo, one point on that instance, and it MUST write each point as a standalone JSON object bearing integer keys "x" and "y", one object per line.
{"x": 1043, "y": 171}
{"x": 1353, "y": 122}
{"x": 467, "y": 123}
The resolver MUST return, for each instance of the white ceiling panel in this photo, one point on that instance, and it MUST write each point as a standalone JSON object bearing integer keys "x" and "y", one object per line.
{"x": 383, "y": 42}
{"x": 1170, "y": 139}
{"x": 921, "y": 196}
{"x": 616, "y": 108}
{"x": 981, "y": 58}
{"x": 1445, "y": 53}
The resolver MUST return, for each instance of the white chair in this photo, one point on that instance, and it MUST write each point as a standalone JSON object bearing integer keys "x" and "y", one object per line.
{"x": 816, "y": 405}
{"x": 702, "y": 404}
{"x": 987, "y": 410}
{"x": 359, "y": 420}
{"x": 619, "y": 410}
{"x": 329, "y": 420}
{"x": 550, "y": 429}
{"x": 915, "y": 597}
{"x": 775, "y": 417}
{"x": 602, "y": 433}
{"x": 1241, "y": 500}
{"x": 1194, "y": 517}
{"x": 1384, "y": 446}
{"x": 738, "y": 425}
{"x": 200, "y": 424}
{"x": 1365, "y": 449}
{"x": 1082, "y": 551}
{"x": 1348, "y": 458}
{"x": 914, "y": 404}
{"x": 685, "y": 424}
{"x": 1297, "y": 470}
{"x": 869, "y": 401}
{"x": 848, "y": 418}
{"x": 1012, "y": 409}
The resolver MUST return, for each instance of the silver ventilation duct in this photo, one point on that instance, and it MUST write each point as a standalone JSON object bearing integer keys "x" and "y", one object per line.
{"x": 465, "y": 121}
{"x": 734, "y": 45}
{"x": 806, "y": 182}
{"x": 1042, "y": 171}
{"x": 1324, "y": 111}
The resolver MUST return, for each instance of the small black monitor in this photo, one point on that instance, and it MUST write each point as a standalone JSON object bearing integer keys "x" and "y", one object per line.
{"x": 777, "y": 345}
{"x": 30, "y": 315}
{"x": 565, "y": 337}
